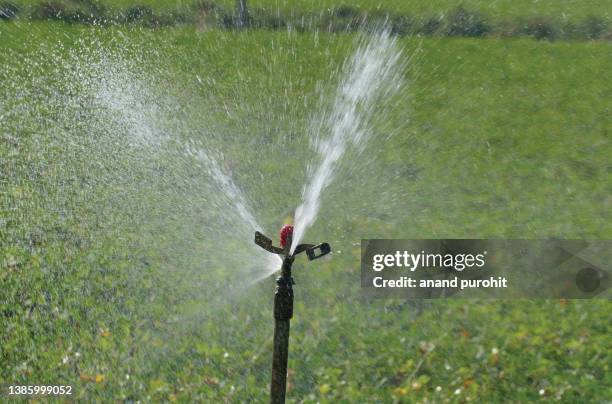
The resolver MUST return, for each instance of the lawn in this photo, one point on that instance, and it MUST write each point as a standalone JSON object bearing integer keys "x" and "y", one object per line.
{"x": 567, "y": 20}
{"x": 571, "y": 9}
{"x": 114, "y": 277}
{"x": 565, "y": 9}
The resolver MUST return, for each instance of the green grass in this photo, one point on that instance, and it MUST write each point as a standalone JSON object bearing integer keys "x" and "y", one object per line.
{"x": 497, "y": 138}
{"x": 566, "y": 9}
{"x": 535, "y": 19}
{"x": 560, "y": 9}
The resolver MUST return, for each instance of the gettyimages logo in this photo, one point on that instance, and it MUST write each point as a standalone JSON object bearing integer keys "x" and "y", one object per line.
{"x": 412, "y": 262}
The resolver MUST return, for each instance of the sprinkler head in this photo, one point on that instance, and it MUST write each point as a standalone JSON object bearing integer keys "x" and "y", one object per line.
{"x": 286, "y": 237}
{"x": 286, "y": 233}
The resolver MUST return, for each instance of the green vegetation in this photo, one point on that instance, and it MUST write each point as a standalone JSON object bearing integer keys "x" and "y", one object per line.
{"x": 539, "y": 19}
{"x": 497, "y": 138}
{"x": 568, "y": 9}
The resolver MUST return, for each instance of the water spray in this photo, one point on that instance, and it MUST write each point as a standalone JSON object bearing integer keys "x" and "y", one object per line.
{"x": 283, "y": 303}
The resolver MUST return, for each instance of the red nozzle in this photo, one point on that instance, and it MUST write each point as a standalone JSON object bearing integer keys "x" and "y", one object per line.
{"x": 285, "y": 233}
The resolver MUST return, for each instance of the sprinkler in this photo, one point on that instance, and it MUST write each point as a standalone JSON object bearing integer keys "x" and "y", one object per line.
{"x": 283, "y": 303}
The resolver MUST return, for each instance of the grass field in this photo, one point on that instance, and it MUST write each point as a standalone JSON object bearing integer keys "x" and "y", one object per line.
{"x": 567, "y": 20}
{"x": 563, "y": 9}
{"x": 567, "y": 9}
{"x": 102, "y": 284}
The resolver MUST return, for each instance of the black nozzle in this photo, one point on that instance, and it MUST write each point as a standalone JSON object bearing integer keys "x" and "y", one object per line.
{"x": 262, "y": 241}
{"x": 318, "y": 251}
{"x": 266, "y": 243}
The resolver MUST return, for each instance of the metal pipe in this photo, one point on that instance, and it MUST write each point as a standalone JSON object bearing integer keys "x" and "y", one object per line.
{"x": 283, "y": 311}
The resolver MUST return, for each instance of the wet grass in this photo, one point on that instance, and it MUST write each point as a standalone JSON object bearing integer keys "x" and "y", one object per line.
{"x": 498, "y": 138}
